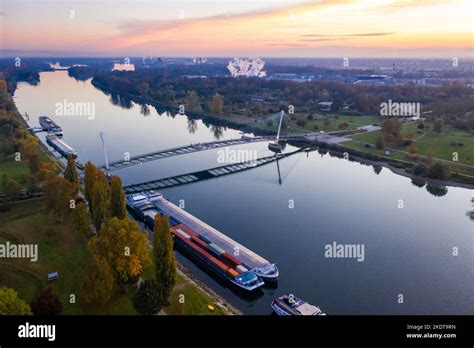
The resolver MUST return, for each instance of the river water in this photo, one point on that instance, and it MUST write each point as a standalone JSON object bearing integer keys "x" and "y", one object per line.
{"x": 418, "y": 259}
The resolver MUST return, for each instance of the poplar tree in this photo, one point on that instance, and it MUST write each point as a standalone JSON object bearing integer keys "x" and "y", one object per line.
{"x": 90, "y": 171}
{"x": 117, "y": 199}
{"x": 71, "y": 172}
{"x": 163, "y": 254}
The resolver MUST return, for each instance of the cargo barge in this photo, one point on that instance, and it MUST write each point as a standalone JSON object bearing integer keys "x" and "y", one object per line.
{"x": 229, "y": 259}
{"x": 60, "y": 146}
{"x": 50, "y": 126}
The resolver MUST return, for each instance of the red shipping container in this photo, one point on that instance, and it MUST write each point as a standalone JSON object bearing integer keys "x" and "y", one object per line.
{"x": 186, "y": 229}
{"x": 232, "y": 259}
{"x": 199, "y": 241}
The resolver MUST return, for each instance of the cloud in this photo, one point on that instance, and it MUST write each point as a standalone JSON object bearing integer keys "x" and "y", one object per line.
{"x": 347, "y": 35}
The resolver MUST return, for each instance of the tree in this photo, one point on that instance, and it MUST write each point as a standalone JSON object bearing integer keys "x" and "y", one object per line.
{"x": 412, "y": 149}
{"x": 438, "y": 125}
{"x": 58, "y": 193}
{"x": 163, "y": 254}
{"x": 117, "y": 199}
{"x": 100, "y": 200}
{"x": 421, "y": 126}
{"x": 12, "y": 189}
{"x": 46, "y": 303}
{"x": 217, "y": 103}
{"x": 337, "y": 105}
{"x": 99, "y": 282}
{"x": 11, "y": 304}
{"x": 144, "y": 88}
{"x": 34, "y": 163}
{"x": 80, "y": 219}
{"x": 438, "y": 171}
{"x": 192, "y": 101}
{"x": 391, "y": 127}
{"x": 124, "y": 246}
{"x": 71, "y": 172}
{"x": 148, "y": 299}
{"x": 90, "y": 173}
{"x": 380, "y": 143}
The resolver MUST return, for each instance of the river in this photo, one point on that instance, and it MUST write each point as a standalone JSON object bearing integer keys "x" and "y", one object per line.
{"x": 418, "y": 259}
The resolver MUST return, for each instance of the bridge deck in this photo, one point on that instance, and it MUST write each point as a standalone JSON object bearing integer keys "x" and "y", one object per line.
{"x": 152, "y": 156}
{"x": 202, "y": 175}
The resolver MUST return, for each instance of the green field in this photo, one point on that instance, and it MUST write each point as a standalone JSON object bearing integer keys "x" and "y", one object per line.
{"x": 13, "y": 169}
{"x": 352, "y": 121}
{"x": 62, "y": 250}
{"x": 438, "y": 145}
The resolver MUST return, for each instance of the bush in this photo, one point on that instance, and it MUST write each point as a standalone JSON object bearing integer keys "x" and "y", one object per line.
{"x": 420, "y": 169}
{"x": 438, "y": 171}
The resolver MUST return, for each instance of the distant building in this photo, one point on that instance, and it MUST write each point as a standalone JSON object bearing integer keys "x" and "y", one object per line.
{"x": 194, "y": 76}
{"x": 325, "y": 106}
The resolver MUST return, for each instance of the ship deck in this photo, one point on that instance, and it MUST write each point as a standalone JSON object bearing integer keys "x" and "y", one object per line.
{"x": 248, "y": 257}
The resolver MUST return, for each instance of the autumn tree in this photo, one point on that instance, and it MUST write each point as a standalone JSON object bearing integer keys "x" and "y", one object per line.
{"x": 148, "y": 299}
{"x": 217, "y": 103}
{"x": 117, "y": 199}
{"x": 144, "y": 88}
{"x": 34, "y": 163}
{"x": 12, "y": 189}
{"x": 46, "y": 303}
{"x": 391, "y": 130}
{"x": 412, "y": 149}
{"x": 90, "y": 173}
{"x": 71, "y": 172}
{"x": 163, "y": 254}
{"x": 99, "y": 282}
{"x": 100, "y": 197}
{"x": 11, "y": 304}
{"x": 192, "y": 101}
{"x": 124, "y": 246}
{"x": 380, "y": 143}
{"x": 80, "y": 219}
{"x": 438, "y": 125}
{"x": 58, "y": 193}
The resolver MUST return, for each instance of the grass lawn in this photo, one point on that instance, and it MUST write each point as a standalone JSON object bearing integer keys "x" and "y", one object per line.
{"x": 13, "y": 169}
{"x": 440, "y": 145}
{"x": 352, "y": 121}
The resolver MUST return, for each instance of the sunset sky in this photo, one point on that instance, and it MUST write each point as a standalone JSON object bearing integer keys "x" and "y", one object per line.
{"x": 267, "y": 28}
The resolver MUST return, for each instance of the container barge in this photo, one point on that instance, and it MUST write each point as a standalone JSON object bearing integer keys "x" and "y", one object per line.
{"x": 60, "y": 146}
{"x": 229, "y": 259}
{"x": 50, "y": 126}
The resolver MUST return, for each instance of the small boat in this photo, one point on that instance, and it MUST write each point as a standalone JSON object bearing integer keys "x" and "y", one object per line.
{"x": 50, "y": 126}
{"x": 292, "y": 305}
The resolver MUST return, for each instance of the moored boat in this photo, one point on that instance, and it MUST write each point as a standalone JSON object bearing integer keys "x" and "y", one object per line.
{"x": 291, "y": 305}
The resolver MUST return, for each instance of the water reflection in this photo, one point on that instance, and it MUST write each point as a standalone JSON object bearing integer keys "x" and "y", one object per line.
{"x": 144, "y": 110}
{"x": 437, "y": 190}
{"x": 377, "y": 169}
{"x": 418, "y": 182}
{"x": 217, "y": 131}
{"x": 192, "y": 126}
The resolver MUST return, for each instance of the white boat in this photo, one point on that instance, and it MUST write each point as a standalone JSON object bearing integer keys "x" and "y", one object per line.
{"x": 291, "y": 305}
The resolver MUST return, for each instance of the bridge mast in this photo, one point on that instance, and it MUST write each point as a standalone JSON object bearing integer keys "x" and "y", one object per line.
{"x": 105, "y": 151}
{"x": 279, "y": 125}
